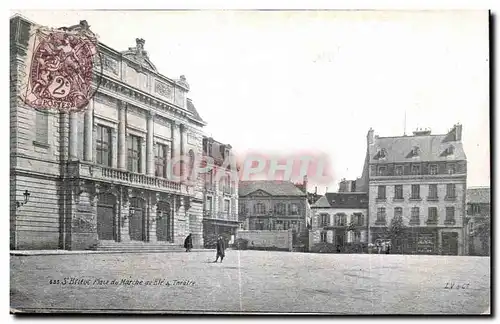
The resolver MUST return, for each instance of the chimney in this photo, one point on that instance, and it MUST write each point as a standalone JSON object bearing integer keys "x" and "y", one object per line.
{"x": 305, "y": 184}
{"x": 369, "y": 136}
{"x": 458, "y": 132}
{"x": 316, "y": 190}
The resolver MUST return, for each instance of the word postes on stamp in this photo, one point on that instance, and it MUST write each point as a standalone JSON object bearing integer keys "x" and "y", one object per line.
{"x": 60, "y": 68}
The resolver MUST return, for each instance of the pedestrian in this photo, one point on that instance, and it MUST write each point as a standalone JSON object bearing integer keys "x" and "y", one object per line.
{"x": 220, "y": 249}
{"x": 188, "y": 243}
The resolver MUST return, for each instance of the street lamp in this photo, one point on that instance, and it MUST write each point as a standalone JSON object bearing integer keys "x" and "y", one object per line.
{"x": 26, "y": 195}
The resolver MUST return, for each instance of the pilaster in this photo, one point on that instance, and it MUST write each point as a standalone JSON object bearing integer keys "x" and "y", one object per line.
{"x": 122, "y": 130}
{"x": 150, "y": 144}
{"x": 73, "y": 135}
{"x": 88, "y": 132}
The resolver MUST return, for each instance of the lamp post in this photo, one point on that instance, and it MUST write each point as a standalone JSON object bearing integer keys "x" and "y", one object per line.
{"x": 26, "y": 195}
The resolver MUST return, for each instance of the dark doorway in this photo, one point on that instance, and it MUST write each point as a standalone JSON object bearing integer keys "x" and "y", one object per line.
{"x": 163, "y": 222}
{"x": 136, "y": 219}
{"x": 450, "y": 243}
{"x": 106, "y": 217}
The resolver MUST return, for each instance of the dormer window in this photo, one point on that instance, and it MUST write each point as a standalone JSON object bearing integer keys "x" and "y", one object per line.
{"x": 449, "y": 151}
{"x": 415, "y": 151}
{"x": 381, "y": 154}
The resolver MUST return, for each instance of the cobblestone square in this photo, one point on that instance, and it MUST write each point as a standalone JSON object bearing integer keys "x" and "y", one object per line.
{"x": 252, "y": 281}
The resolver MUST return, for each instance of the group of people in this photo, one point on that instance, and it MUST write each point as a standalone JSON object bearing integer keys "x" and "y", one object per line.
{"x": 221, "y": 247}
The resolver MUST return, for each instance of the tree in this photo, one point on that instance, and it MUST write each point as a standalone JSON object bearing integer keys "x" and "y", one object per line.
{"x": 482, "y": 229}
{"x": 396, "y": 232}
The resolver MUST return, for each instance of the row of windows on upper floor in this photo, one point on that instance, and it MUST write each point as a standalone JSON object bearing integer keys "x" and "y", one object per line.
{"x": 341, "y": 219}
{"x": 438, "y": 168}
{"x": 432, "y": 215}
{"x": 277, "y": 209}
{"x": 451, "y": 193}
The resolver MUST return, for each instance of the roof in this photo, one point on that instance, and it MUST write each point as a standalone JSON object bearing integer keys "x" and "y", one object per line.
{"x": 271, "y": 187}
{"x": 192, "y": 109}
{"x": 479, "y": 195}
{"x": 430, "y": 147}
{"x": 342, "y": 200}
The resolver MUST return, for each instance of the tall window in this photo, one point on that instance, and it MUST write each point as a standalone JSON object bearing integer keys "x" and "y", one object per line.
{"x": 380, "y": 215}
{"x": 161, "y": 160}
{"x": 323, "y": 237}
{"x": 226, "y": 206}
{"x": 134, "y": 153}
{"x": 260, "y": 209}
{"x": 357, "y": 219}
{"x": 294, "y": 209}
{"x": 415, "y": 169}
{"x": 415, "y": 191}
{"x": 103, "y": 145}
{"x": 450, "y": 190}
{"x": 208, "y": 205}
{"x": 398, "y": 192}
{"x": 398, "y": 212}
{"x": 325, "y": 220}
{"x": 243, "y": 209}
{"x": 280, "y": 209}
{"x": 450, "y": 214}
{"x": 42, "y": 127}
{"x": 340, "y": 219}
{"x": 433, "y": 215}
{"x": 433, "y": 191}
{"x": 381, "y": 192}
{"x": 433, "y": 169}
{"x": 398, "y": 170}
{"x": 415, "y": 215}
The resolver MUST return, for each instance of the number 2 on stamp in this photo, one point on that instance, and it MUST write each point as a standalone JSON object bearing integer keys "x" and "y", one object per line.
{"x": 60, "y": 87}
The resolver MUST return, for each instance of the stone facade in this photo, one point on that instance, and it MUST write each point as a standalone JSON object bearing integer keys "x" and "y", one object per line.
{"x": 422, "y": 179}
{"x": 478, "y": 229}
{"x": 275, "y": 206}
{"x": 220, "y": 214}
{"x": 340, "y": 219}
{"x": 82, "y": 194}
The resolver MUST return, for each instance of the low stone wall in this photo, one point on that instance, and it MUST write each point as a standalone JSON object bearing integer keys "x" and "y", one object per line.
{"x": 267, "y": 239}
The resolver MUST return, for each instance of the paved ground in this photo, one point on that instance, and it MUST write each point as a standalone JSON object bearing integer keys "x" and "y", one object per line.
{"x": 253, "y": 281}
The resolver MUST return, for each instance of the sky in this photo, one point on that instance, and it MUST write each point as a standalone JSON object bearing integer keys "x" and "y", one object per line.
{"x": 316, "y": 81}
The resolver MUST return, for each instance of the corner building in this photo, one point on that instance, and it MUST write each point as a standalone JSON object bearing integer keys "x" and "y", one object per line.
{"x": 422, "y": 179}
{"x": 98, "y": 179}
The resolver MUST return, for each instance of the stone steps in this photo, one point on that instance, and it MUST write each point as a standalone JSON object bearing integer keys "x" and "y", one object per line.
{"x": 134, "y": 246}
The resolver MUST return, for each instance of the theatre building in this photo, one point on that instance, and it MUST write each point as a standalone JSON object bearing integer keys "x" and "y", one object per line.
{"x": 98, "y": 179}
{"x": 420, "y": 179}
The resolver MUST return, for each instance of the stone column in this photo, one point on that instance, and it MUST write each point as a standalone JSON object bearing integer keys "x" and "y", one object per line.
{"x": 150, "y": 169}
{"x": 124, "y": 215}
{"x": 143, "y": 163}
{"x": 152, "y": 215}
{"x": 122, "y": 133}
{"x": 73, "y": 136}
{"x": 88, "y": 131}
{"x": 114, "y": 148}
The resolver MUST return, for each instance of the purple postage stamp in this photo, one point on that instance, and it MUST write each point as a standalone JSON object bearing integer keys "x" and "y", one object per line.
{"x": 59, "y": 71}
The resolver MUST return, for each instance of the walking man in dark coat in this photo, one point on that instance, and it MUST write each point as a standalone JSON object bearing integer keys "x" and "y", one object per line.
{"x": 188, "y": 243}
{"x": 220, "y": 249}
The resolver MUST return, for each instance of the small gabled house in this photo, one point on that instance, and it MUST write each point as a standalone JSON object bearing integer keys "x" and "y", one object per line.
{"x": 340, "y": 218}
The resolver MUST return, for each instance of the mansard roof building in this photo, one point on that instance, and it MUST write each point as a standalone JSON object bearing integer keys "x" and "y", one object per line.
{"x": 422, "y": 179}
